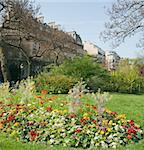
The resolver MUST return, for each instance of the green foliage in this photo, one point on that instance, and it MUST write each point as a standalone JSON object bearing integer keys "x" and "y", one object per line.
{"x": 54, "y": 83}
{"x": 127, "y": 79}
{"x": 85, "y": 68}
{"x": 5, "y": 94}
{"x": 95, "y": 82}
{"x": 24, "y": 92}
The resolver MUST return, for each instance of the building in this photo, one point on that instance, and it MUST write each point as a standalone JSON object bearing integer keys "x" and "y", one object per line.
{"x": 76, "y": 38}
{"x": 112, "y": 60}
{"x": 28, "y": 61}
{"x": 54, "y": 25}
{"x": 95, "y": 51}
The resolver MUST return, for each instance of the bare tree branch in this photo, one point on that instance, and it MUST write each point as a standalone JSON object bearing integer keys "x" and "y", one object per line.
{"x": 126, "y": 20}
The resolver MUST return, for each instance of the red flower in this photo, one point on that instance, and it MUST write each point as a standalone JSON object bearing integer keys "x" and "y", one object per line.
{"x": 129, "y": 136}
{"x": 131, "y": 130}
{"x": 131, "y": 122}
{"x": 33, "y": 135}
{"x": 49, "y": 109}
{"x": 78, "y": 130}
{"x": 11, "y": 118}
{"x": 94, "y": 121}
{"x": 44, "y": 92}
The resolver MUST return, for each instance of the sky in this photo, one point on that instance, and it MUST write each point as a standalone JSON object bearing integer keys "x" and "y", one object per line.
{"x": 87, "y": 18}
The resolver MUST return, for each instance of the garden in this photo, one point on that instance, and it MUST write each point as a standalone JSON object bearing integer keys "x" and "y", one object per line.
{"x": 67, "y": 108}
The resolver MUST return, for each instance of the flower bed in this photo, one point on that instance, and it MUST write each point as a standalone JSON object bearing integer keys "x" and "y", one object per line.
{"x": 44, "y": 123}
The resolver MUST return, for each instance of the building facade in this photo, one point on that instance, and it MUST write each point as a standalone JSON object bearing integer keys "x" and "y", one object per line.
{"x": 95, "y": 51}
{"x": 112, "y": 60}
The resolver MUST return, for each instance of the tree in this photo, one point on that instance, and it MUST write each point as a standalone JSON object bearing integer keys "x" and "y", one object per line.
{"x": 127, "y": 77}
{"x": 20, "y": 25}
{"x": 126, "y": 20}
{"x": 61, "y": 46}
{"x": 17, "y": 23}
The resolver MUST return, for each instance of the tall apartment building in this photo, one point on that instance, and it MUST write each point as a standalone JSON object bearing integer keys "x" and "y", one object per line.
{"x": 109, "y": 59}
{"x": 112, "y": 59}
{"x": 95, "y": 51}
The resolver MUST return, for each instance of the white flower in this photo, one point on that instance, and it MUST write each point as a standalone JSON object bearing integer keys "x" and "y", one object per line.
{"x": 51, "y": 141}
{"x": 116, "y": 127}
{"x": 104, "y": 145}
{"x": 52, "y": 136}
{"x": 113, "y": 144}
{"x": 96, "y": 137}
{"x": 110, "y": 137}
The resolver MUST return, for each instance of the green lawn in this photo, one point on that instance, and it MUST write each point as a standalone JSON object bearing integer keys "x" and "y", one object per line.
{"x": 131, "y": 105}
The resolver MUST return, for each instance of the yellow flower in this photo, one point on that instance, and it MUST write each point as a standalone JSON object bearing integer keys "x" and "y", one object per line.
{"x": 101, "y": 132}
{"x": 65, "y": 111}
{"x": 123, "y": 116}
{"x": 109, "y": 129}
{"x": 108, "y": 111}
{"x": 85, "y": 114}
{"x": 16, "y": 124}
{"x": 110, "y": 122}
{"x": 56, "y": 110}
{"x": 104, "y": 122}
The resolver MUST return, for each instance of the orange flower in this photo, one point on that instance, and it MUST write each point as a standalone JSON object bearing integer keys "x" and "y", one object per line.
{"x": 39, "y": 97}
{"x": 44, "y": 92}
{"x": 1, "y": 125}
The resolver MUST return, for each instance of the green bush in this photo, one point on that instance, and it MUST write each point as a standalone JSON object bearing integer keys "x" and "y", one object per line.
{"x": 87, "y": 69}
{"x": 95, "y": 82}
{"x": 54, "y": 83}
{"x": 79, "y": 67}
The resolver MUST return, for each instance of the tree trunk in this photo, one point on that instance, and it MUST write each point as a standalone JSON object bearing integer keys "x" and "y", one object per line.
{"x": 4, "y": 69}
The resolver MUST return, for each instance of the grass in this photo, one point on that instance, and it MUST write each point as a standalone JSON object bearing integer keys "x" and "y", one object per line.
{"x": 131, "y": 105}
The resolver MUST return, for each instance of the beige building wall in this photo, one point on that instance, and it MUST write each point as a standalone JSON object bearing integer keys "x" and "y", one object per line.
{"x": 95, "y": 51}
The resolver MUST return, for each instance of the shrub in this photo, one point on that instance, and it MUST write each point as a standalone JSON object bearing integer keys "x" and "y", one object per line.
{"x": 95, "y": 82}
{"x": 79, "y": 67}
{"x": 54, "y": 83}
{"x": 84, "y": 68}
